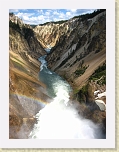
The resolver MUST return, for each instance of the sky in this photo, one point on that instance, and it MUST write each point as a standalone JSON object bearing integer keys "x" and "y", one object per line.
{"x": 40, "y": 16}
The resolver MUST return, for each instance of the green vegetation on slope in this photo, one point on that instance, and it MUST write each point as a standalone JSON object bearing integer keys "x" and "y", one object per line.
{"x": 81, "y": 70}
{"x": 84, "y": 95}
{"x": 99, "y": 75}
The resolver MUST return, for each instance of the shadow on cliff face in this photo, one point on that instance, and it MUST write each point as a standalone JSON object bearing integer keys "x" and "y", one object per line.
{"x": 89, "y": 110}
{"x": 92, "y": 112}
{"x": 87, "y": 107}
{"x": 26, "y": 98}
{"x": 21, "y": 115}
{"x": 20, "y": 127}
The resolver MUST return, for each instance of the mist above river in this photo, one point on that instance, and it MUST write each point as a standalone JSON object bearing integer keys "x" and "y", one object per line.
{"x": 59, "y": 119}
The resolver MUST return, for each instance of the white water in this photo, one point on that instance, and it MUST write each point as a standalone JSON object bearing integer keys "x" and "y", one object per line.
{"x": 58, "y": 119}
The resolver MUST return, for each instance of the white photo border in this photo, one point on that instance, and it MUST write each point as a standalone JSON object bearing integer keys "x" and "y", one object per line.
{"x": 109, "y": 5}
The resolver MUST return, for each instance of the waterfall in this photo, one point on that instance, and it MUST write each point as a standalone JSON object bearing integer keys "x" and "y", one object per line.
{"x": 59, "y": 119}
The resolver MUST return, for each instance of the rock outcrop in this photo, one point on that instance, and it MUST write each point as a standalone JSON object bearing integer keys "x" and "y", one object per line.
{"x": 22, "y": 41}
{"x": 81, "y": 50}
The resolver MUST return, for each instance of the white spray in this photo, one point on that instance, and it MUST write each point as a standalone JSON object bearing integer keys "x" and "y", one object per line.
{"x": 58, "y": 120}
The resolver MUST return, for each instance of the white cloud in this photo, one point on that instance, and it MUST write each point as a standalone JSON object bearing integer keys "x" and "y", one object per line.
{"x": 40, "y": 16}
{"x": 24, "y": 14}
{"x": 47, "y": 13}
{"x": 56, "y": 19}
{"x": 40, "y": 11}
{"x": 19, "y": 14}
{"x": 73, "y": 10}
{"x": 25, "y": 18}
{"x": 33, "y": 19}
{"x": 61, "y": 15}
{"x": 55, "y": 13}
{"x": 68, "y": 13}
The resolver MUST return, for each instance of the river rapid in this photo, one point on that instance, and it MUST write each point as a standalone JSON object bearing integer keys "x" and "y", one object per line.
{"x": 59, "y": 119}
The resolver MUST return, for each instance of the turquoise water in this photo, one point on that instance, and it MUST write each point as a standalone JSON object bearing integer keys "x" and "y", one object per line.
{"x": 53, "y": 82}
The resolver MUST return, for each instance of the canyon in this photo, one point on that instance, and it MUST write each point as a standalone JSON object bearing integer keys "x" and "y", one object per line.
{"x": 77, "y": 53}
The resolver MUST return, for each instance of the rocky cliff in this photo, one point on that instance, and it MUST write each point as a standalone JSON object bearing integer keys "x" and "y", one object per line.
{"x": 25, "y": 96}
{"x": 82, "y": 46}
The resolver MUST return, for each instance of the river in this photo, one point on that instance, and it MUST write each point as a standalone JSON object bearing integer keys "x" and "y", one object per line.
{"x": 58, "y": 119}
